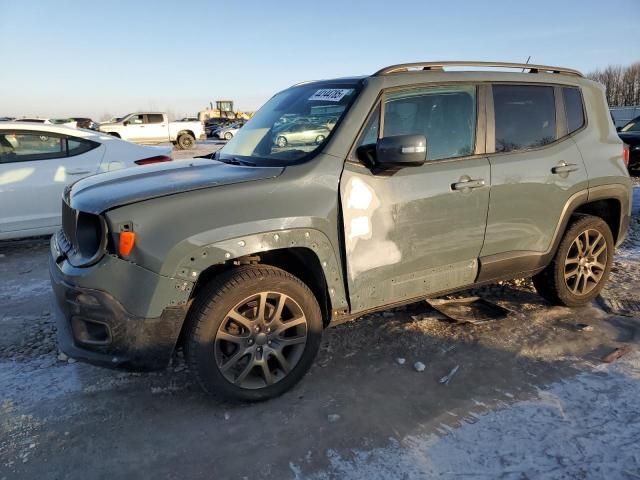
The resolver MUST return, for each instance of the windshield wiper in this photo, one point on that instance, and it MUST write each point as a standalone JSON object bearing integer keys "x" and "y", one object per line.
{"x": 236, "y": 161}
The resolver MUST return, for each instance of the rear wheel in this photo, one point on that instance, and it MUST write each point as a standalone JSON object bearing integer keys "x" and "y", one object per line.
{"x": 228, "y": 136}
{"x": 186, "y": 141}
{"x": 581, "y": 265}
{"x": 319, "y": 139}
{"x": 253, "y": 333}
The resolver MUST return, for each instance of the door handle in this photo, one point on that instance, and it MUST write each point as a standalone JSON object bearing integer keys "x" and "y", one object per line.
{"x": 466, "y": 184}
{"x": 77, "y": 171}
{"x": 563, "y": 167}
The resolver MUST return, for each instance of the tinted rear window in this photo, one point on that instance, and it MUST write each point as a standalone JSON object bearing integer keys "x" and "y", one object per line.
{"x": 573, "y": 108}
{"x": 154, "y": 118}
{"x": 525, "y": 116}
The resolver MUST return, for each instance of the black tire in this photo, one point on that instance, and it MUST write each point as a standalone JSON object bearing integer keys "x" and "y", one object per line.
{"x": 113, "y": 134}
{"x": 320, "y": 139}
{"x": 551, "y": 283}
{"x": 186, "y": 141}
{"x": 281, "y": 142}
{"x": 209, "y": 316}
{"x": 228, "y": 136}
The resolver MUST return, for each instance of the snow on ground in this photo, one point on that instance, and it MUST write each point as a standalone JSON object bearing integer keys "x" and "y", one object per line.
{"x": 585, "y": 427}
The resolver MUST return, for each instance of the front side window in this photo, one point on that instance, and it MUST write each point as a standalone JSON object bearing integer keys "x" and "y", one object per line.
{"x": 136, "y": 119}
{"x": 573, "y": 108}
{"x": 292, "y": 125}
{"x": 26, "y": 146}
{"x": 446, "y": 116}
{"x": 525, "y": 116}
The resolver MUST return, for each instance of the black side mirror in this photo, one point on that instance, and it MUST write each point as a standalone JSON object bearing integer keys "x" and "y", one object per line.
{"x": 401, "y": 151}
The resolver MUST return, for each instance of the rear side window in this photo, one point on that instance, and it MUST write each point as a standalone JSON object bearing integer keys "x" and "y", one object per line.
{"x": 154, "y": 118}
{"x": 525, "y": 116}
{"x": 446, "y": 116}
{"x": 573, "y": 108}
{"x": 16, "y": 146}
{"x": 26, "y": 146}
{"x": 76, "y": 146}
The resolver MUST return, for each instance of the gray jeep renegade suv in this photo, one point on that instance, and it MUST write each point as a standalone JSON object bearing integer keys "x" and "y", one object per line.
{"x": 424, "y": 181}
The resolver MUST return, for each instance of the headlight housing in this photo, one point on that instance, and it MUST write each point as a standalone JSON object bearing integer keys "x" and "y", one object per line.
{"x": 83, "y": 236}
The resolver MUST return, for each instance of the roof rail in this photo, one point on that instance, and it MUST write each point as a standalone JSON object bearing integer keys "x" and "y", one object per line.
{"x": 405, "y": 67}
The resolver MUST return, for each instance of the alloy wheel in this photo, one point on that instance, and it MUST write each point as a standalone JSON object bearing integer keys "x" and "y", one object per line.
{"x": 260, "y": 340}
{"x": 586, "y": 262}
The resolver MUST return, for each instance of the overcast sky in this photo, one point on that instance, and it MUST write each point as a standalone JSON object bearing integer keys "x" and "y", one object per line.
{"x": 77, "y": 58}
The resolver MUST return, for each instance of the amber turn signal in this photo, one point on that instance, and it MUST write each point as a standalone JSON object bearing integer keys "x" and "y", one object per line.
{"x": 127, "y": 241}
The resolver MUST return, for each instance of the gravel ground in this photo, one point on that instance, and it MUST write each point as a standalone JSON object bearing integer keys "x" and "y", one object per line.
{"x": 399, "y": 394}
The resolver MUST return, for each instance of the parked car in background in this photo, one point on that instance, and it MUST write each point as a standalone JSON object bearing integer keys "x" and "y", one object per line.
{"x": 212, "y": 125}
{"x": 623, "y": 115}
{"x": 83, "y": 122}
{"x": 6, "y": 119}
{"x": 229, "y": 131}
{"x": 431, "y": 181}
{"x": 65, "y": 122}
{"x": 630, "y": 134}
{"x": 37, "y": 161}
{"x": 301, "y": 133}
{"x": 188, "y": 119}
{"x": 154, "y": 127}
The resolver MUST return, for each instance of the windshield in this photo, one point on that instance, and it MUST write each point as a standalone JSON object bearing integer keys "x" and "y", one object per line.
{"x": 293, "y": 125}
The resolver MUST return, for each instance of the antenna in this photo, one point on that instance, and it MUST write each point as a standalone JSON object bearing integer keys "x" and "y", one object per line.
{"x": 527, "y": 62}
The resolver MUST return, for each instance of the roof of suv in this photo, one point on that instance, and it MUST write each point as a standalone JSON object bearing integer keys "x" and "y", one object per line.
{"x": 426, "y": 72}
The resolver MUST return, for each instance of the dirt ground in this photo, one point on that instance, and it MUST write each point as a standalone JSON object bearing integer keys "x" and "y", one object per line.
{"x": 531, "y": 397}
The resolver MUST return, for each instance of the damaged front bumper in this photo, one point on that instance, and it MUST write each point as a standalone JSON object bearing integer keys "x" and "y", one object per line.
{"x": 96, "y": 327}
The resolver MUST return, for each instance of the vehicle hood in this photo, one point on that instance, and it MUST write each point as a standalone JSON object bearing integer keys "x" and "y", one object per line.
{"x": 105, "y": 191}
{"x": 630, "y": 138}
{"x": 110, "y": 125}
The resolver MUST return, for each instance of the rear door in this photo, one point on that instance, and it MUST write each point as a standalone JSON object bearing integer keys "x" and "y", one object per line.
{"x": 417, "y": 230}
{"x": 535, "y": 168}
{"x": 156, "y": 128}
{"x": 35, "y": 166}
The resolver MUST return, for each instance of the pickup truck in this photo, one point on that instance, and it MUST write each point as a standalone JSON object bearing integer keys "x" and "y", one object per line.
{"x": 150, "y": 128}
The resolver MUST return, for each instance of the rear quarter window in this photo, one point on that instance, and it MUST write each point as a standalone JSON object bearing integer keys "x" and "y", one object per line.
{"x": 573, "y": 108}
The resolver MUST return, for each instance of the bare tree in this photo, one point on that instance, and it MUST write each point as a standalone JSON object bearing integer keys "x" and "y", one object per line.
{"x": 621, "y": 83}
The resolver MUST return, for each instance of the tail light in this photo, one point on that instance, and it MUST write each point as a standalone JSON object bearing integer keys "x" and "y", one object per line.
{"x": 625, "y": 155}
{"x": 156, "y": 159}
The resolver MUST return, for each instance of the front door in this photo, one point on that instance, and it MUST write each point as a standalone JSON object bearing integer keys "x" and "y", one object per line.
{"x": 418, "y": 230}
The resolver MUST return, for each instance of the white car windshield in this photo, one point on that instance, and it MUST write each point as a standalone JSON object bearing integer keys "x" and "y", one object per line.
{"x": 292, "y": 126}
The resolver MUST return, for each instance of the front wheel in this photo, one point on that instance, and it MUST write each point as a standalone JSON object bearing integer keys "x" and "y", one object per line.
{"x": 186, "y": 141}
{"x": 253, "y": 333}
{"x": 281, "y": 142}
{"x": 228, "y": 136}
{"x": 581, "y": 265}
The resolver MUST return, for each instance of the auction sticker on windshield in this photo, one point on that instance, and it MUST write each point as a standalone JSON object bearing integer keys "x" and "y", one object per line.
{"x": 331, "y": 94}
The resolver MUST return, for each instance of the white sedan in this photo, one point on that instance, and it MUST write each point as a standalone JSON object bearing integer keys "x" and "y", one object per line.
{"x": 37, "y": 161}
